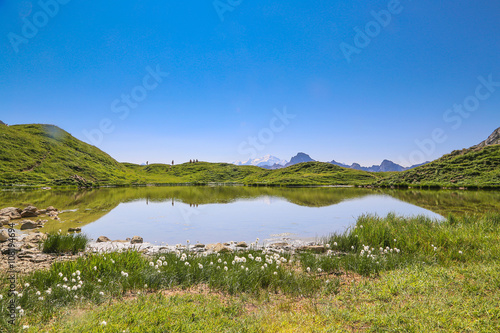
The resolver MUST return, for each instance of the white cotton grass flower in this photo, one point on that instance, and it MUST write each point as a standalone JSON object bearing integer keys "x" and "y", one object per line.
{"x": 38, "y": 293}
{"x": 78, "y": 273}
{"x": 151, "y": 263}
{"x": 1, "y": 297}
{"x": 200, "y": 266}
{"x": 320, "y": 270}
{"x": 95, "y": 268}
{"x": 124, "y": 274}
{"x": 275, "y": 273}
{"x": 21, "y": 312}
{"x": 225, "y": 268}
{"x": 65, "y": 279}
{"x": 20, "y": 295}
{"x": 460, "y": 252}
{"x": 103, "y": 323}
{"x": 40, "y": 298}
{"x": 25, "y": 327}
{"x": 101, "y": 293}
{"x": 308, "y": 269}
{"x": 60, "y": 274}
{"x": 26, "y": 285}
{"x": 99, "y": 280}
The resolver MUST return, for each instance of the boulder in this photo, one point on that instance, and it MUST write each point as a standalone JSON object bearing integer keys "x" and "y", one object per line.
{"x": 27, "y": 224}
{"x": 74, "y": 229}
{"x": 30, "y": 211}
{"x": 103, "y": 239}
{"x": 35, "y": 237}
{"x": 12, "y": 212}
{"x": 199, "y": 245}
{"x": 51, "y": 209}
{"x": 4, "y": 220}
{"x": 279, "y": 245}
{"x": 136, "y": 240}
{"x": 218, "y": 248}
{"x": 241, "y": 244}
{"x": 4, "y": 235}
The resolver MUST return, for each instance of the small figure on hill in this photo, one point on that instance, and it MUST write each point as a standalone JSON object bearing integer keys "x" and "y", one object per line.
{"x": 190, "y": 161}
{"x": 147, "y": 162}
{"x": 196, "y": 160}
{"x": 172, "y": 162}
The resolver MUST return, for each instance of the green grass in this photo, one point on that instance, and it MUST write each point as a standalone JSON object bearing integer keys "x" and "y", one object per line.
{"x": 59, "y": 244}
{"x": 428, "y": 276}
{"x": 473, "y": 168}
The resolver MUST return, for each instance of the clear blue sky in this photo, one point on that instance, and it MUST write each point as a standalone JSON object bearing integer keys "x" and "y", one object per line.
{"x": 227, "y": 76}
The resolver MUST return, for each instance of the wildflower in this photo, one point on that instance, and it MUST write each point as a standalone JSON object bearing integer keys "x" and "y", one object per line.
{"x": 308, "y": 269}
{"x": 218, "y": 267}
{"x": 25, "y": 327}
{"x": 73, "y": 280}
{"x": 95, "y": 268}
{"x": 101, "y": 293}
{"x": 225, "y": 268}
{"x": 200, "y": 266}
{"x": 73, "y": 274}
{"x": 335, "y": 243}
{"x": 219, "y": 260}
{"x": 21, "y": 312}
{"x": 394, "y": 241}
{"x": 327, "y": 281}
{"x": 165, "y": 263}
{"x": 74, "y": 288}
{"x": 26, "y": 285}
{"x": 38, "y": 293}
{"x": 352, "y": 247}
{"x": 60, "y": 274}
{"x": 211, "y": 263}
{"x": 40, "y": 298}
{"x": 460, "y": 252}
{"x": 327, "y": 245}
{"x": 275, "y": 273}
{"x": 320, "y": 270}
{"x": 1, "y": 297}
{"x": 99, "y": 280}
{"x": 112, "y": 261}
{"x": 187, "y": 241}
{"x": 20, "y": 295}
{"x": 77, "y": 273}
{"x": 186, "y": 263}
{"x": 156, "y": 266}
{"x": 246, "y": 269}
{"x": 262, "y": 267}
{"x": 65, "y": 279}
{"x": 242, "y": 267}
{"x": 225, "y": 262}
{"x": 151, "y": 264}
{"x": 76, "y": 296}
{"x": 361, "y": 226}
{"x": 124, "y": 274}
{"x": 258, "y": 259}
{"x": 103, "y": 323}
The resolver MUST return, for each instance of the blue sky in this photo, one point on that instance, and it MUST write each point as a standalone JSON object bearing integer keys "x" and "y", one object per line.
{"x": 227, "y": 78}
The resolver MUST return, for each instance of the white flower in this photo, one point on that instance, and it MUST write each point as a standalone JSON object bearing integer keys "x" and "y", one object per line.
{"x": 74, "y": 288}
{"x": 40, "y": 298}
{"x": 156, "y": 266}
{"x": 335, "y": 243}
{"x": 25, "y": 327}
{"x": 275, "y": 273}
{"x": 1, "y": 297}
{"x": 73, "y": 280}
{"x": 76, "y": 296}
{"x": 225, "y": 268}
{"x": 112, "y": 261}
{"x": 327, "y": 281}
{"x": 124, "y": 274}
{"x": 219, "y": 260}
{"x": 187, "y": 241}
{"x": 308, "y": 269}
{"x": 394, "y": 241}
{"x": 99, "y": 280}
{"x": 101, "y": 293}
{"x": 104, "y": 323}
{"x": 151, "y": 263}
{"x": 38, "y": 293}
{"x": 186, "y": 263}
{"x": 200, "y": 266}
{"x": 21, "y": 312}
{"x": 20, "y": 295}
{"x": 165, "y": 263}
{"x": 73, "y": 274}
{"x": 77, "y": 272}
{"x": 65, "y": 279}
{"x": 145, "y": 286}
{"x": 26, "y": 285}
{"x": 460, "y": 252}
{"x": 95, "y": 268}
{"x": 320, "y": 270}
{"x": 352, "y": 247}
{"x": 60, "y": 274}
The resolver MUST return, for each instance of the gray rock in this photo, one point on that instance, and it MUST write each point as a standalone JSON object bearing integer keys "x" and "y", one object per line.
{"x": 12, "y": 212}
{"x": 136, "y": 240}
{"x": 218, "y": 248}
{"x": 242, "y": 244}
{"x": 4, "y": 220}
{"x": 51, "y": 209}
{"x": 29, "y": 225}
{"x": 30, "y": 211}
{"x": 103, "y": 239}
{"x": 4, "y": 235}
{"x": 74, "y": 229}
{"x": 313, "y": 248}
{"x": 199, "y": 245}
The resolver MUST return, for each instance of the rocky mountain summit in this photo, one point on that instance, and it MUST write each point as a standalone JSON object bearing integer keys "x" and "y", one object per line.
{"x": 493, "y": 139}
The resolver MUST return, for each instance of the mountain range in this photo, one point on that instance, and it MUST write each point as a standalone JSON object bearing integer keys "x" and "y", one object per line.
{"x": 273, "y": 163}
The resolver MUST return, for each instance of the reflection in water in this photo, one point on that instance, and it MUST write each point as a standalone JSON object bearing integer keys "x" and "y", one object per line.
{"x": 235, "y": 212}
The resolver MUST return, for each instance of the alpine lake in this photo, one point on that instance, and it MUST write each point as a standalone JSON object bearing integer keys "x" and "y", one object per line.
{"x": 211, "y": 214}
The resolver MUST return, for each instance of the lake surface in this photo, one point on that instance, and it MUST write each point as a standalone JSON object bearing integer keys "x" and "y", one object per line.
{"x": 234, "y": 213}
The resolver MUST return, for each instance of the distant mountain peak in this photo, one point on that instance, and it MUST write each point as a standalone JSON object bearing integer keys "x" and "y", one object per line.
{"x": 493, "y": 139}
{"x": 265, "y": 161}
{"x": 300, "y": 158}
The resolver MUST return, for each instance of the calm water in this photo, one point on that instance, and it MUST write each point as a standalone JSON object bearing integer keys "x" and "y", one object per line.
{"x": 214, "y": 214}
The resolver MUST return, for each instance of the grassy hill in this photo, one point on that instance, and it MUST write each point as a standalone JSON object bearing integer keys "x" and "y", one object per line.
{"x": 473, "y": 167}
{"x": 47, "y": 155}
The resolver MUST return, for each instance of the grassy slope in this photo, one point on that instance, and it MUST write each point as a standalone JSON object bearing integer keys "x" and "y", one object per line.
{"x": 41, "y": 154}
{"x": 46, "y": 155}
{"x": 467, "y": 167}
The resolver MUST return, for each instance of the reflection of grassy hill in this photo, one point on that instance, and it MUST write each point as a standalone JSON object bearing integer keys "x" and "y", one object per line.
{"x": 456, "y": 202}
{"x": 468, "y": 168}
